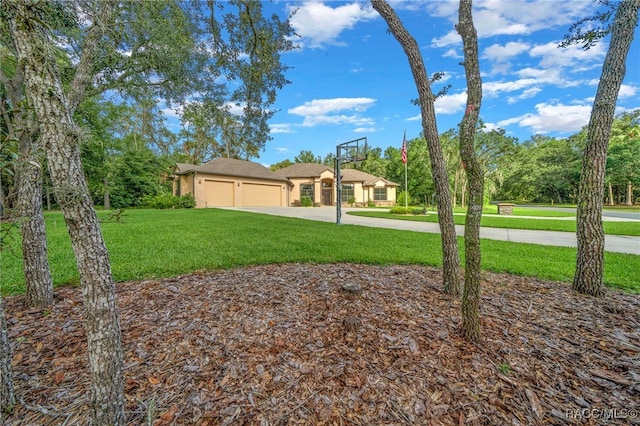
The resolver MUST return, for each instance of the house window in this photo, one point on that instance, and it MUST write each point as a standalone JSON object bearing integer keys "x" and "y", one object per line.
{"x": 380, "y": 194}
{"x": 177, "y": 187}
{"x": 306, "y": 190}
{"x": 347, "y": 192}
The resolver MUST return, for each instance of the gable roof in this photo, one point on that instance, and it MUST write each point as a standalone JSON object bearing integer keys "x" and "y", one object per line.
{"x": 302, "y": 170}
{"x": 183, "y": 167}
{"x": 231, "y": 167}
{"x": 353, "y": 175}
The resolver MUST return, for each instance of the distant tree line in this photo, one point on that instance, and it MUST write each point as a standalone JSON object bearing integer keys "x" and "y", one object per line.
{"x": 542, "y": 169}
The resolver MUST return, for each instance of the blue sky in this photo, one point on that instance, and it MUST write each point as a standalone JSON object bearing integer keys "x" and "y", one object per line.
{"x": 351, "y": 79}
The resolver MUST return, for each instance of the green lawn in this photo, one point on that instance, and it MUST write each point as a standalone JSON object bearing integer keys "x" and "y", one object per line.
{"x": 162, "y": 243}
{"x": 497, "y": 221}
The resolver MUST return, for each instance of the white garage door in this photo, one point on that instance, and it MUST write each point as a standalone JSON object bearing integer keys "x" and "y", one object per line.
{"x": 218, "y": 193}
{"x": 261, "y": 195}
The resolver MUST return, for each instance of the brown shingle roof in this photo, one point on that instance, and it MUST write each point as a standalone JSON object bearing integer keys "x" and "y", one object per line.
{"x": 301, "y": 170}
{"x": 353, "y": 175}
{"x": 304, "y": 170}
{"x": 233, "y": 167}
{"x": 184, "y": 167}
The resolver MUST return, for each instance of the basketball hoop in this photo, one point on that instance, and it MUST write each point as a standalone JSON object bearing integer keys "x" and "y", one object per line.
{"x": 354, "y": 151}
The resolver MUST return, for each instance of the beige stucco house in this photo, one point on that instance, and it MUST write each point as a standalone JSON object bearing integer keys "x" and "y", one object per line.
{"x": 317, "y": 182}
{"x": 226, "y": 182}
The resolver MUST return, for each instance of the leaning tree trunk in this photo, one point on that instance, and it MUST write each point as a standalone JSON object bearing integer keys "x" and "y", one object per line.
{"x": 7, "y": 395}
{"x": 450, "y": 255}
{"x": 475, "y": 176}
{"x": 62, "y": 140}
{"x": 588, "y": 278}
{"x": 37, "y": 274}
{"x": 28, "y": 181}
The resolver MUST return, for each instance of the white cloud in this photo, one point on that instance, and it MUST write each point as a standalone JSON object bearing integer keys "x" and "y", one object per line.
{"x": 627, "y": 91}
{"x": 324, "y": 111}
{"x": 552, "y": 118}
{"x": 281, "y": 128}
{"x": 320, "y": 24}
{"x": 282, "y": 150}
{"x": 510, "y": 17}
{"x": 573, "y": 57}
{"x": 527, "y": 94}
{"x": 326, "y": 106}
{"x": 450, "y": 104}
{"x": 365, "y": 130}
{"x": 503, "y": 53}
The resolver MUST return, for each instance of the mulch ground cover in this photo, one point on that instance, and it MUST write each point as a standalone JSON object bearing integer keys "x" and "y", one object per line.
{"x": 338, "y": 344}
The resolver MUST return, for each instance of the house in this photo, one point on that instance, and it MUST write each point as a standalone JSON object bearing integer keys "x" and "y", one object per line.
{"x": 317, "y": 182}
{"x": 226, "y": 182}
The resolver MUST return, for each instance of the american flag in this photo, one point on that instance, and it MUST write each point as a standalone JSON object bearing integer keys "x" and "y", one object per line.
{"x": 404, "y": 148}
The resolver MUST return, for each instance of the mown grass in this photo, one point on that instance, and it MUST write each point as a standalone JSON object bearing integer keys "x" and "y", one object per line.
{"x": 496, "y": 221}
{"x": 162, "y": 243}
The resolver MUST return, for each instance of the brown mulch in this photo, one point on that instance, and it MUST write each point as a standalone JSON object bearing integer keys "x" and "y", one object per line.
{"x": 287, "y": 344}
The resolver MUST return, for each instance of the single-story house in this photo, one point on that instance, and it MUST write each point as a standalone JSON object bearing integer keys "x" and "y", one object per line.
{"x": 317, "y": 182}
{"x": 226, "y": 182}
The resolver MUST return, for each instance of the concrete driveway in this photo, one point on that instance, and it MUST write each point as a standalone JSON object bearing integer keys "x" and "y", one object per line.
{"x": 613, "y": 243}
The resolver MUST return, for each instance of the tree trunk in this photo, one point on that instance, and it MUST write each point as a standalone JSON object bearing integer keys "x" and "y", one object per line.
{"x": 37, "y": 275}
{"x": 107, "y": 199}
{"x": 588, "y": 278}
{"x": 475, "y": 176}
{"x": 7, "y": 395}
{"x": 629, "y": 193}
{"x": 28, "y": 182}
{"x": 62, "y": 139}
{"x": 610, "y": 195}
{"x": 450, "y": 255}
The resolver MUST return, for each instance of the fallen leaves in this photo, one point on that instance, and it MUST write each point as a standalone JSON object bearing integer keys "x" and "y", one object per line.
{"x": 287, "y": 344}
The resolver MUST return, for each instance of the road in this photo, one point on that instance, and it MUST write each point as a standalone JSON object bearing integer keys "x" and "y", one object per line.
{"x": 613, "y": 243}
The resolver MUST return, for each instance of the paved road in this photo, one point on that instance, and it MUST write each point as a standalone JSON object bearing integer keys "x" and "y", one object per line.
{"x": 613, "y": 243}
{"x": 605, "y": 213}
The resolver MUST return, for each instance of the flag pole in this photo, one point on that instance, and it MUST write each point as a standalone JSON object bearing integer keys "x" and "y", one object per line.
{"x": 404, "y": 160}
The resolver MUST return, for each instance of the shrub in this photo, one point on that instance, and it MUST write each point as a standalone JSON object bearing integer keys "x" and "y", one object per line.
{"x": 351, "y": 201}
{"x": 400, "y": 199}
{"x": 371, "y": 203}
{"x": 399, "y": 210}
{"x": 168, "y": 201}
{"x": 306, "y": 202}
{"x": 418, "y": 210}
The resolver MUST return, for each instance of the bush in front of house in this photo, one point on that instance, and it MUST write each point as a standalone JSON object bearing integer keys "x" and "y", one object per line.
{"x": 168, "y": 201}
{"x": 400, "y": 210}
{"x": 306, "y": 202}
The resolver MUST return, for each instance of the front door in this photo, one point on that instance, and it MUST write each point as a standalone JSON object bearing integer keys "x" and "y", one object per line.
{"x": 326, "y": 196}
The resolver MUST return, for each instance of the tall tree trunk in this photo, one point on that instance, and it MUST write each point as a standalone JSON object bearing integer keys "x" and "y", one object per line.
{"x": 37, "y": 274}
{"x": 28, "y": 181}
{"x": 475, "y": 176}
{"x": 7, "y": 394}
{"x": 62, "y": 140}
{"x": 629, "y": 193}
{"x": 610, "y": 195}
{"x": 450, "y": 255}
{"x": 588, "y": 278}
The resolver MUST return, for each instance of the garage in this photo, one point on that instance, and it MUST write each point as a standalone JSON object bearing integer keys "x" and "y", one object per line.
{"x": 261, "y": 195}
{"x": 229, "y": 182}
{"x": 218, "y": 193}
